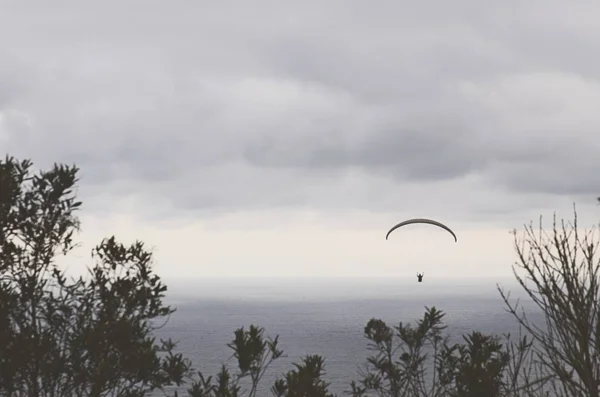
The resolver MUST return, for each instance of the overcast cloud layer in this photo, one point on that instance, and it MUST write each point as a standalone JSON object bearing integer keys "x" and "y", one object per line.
{"x": 355, "y": 112}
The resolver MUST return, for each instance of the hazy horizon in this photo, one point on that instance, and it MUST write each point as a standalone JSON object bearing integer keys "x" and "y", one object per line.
{"x": 330, "y": 288}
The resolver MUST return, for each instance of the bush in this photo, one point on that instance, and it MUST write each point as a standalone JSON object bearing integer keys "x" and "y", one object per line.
{"x": 94, "y": 336}
{"x": 61, "y": 337}
{"x": 564, "y": 270}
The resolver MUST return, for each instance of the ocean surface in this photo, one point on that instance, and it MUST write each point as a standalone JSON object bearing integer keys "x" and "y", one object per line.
{"x": 325, "y": 317}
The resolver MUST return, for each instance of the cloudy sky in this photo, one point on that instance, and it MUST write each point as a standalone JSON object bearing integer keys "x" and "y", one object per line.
{"x": 285, "y": 138}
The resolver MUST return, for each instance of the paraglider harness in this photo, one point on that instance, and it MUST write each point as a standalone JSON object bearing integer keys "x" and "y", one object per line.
{"x": 420, "y": 277}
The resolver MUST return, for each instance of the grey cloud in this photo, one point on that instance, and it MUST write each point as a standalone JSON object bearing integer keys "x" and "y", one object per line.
{"x": 435, "y": 151}
{"x": 206, "y": 107}
{"x": 13, "y": 85}
{"x": 569, "y": 171}
{"x": 398, "y": 69}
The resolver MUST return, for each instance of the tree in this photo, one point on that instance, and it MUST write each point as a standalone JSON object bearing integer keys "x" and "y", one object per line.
{"x": 563, "y": 270}
{"x": 418, "y": 361}
{"x": 254, "y": 354}
{"x": 73, "y": 337}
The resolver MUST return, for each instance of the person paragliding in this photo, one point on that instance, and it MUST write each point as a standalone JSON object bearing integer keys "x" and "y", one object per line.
{"x": 422, "y": 220}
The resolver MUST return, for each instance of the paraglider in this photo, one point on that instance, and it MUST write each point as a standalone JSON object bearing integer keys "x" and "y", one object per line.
{"x": 422, "y": 220}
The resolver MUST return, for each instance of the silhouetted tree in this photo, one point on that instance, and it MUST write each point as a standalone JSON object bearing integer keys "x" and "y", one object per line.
{"x": 560, "y": 273}
{"x": 254, "y": 354}
{"x": 73, "y": 337}
{"x": 419, "y": 361}
{"x": 304, "y": 380}
{"x": 477, "y": 367}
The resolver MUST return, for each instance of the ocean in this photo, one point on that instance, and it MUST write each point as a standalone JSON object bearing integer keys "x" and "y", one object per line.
{"x": 325, "y": 317}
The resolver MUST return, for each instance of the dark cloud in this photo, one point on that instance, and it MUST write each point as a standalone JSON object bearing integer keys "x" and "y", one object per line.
{"x": 433, "y": 150}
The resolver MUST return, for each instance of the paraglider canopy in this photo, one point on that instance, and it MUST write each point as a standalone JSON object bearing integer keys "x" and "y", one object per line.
{"x": 422, "y": 220}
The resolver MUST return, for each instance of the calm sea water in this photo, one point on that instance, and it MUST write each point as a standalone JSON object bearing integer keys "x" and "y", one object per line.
{"x": 325, "y": 317}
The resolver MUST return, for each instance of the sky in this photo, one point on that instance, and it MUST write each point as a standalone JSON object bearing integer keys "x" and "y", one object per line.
{"x": 283, "y": 139}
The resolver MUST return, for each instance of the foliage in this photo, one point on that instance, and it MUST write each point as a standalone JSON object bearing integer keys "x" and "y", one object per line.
{"x": 482, "y": 365}
{"x": 73, "y": 337}
{"x": 563, "y": 269}
{"x": 254, "y": 353}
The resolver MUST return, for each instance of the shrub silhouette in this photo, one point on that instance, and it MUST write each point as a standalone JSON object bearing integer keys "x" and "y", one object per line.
{"x": 94, "y": 336}
{"x": 61, "y": 337}
{"x": 563, "y": 269}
